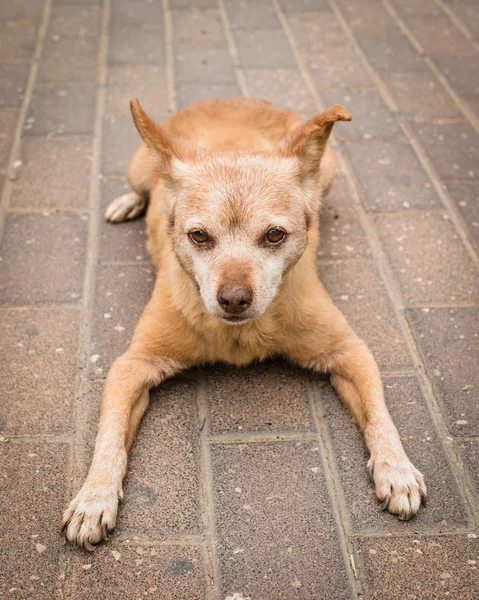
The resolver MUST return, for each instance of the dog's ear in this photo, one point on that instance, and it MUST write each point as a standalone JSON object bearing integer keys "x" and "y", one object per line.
{"x": 308, "y": 142}
{"x": 166, "y": 148}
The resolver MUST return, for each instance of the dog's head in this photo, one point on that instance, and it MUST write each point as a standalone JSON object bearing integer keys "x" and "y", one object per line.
{"x": 239, "y": 220}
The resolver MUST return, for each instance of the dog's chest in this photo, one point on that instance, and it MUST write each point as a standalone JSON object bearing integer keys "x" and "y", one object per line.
{"x": 241, "y": 345}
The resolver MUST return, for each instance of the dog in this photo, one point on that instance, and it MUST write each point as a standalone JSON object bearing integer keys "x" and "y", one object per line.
{"x": 234, "y": 189}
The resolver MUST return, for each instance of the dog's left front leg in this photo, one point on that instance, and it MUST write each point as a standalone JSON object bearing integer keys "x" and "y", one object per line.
{"x": 92, "y": 513}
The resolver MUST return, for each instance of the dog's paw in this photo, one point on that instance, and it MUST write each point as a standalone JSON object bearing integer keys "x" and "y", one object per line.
{"x": 124, "y": 208}
{"x": 90, "y": 516}
{"x": 399, "y": 485}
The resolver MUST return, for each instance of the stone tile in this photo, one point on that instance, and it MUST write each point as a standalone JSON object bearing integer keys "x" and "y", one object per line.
{"x": 419, "y": 95}
{"x": 342, "y": 235}
{"x": 390, "y": 176}
{"x": 438, "y": 35}
{"x": 291, "y": 6}
{"x": 205, "y": 65}
{"x": 464, "y": 195}
{"x": 8, "y": 125}
{"x": 188, "y": 93}
{"x": 359, "y": 293}
{"x": 166, "y": 572}
{"x": 473, "y": 102}
{"x": 146, "y": 82}
{"x": 469, "y": 450}
{"x": 142, "y": 44}
{"x": 120, "y": 241}
{"x": 382, "y": 51}
{"x": 69, "y": 2}
{"x": 452, "y": 147}
{"x": 13, "y": 80}
{"x": 29, "y": 10}
{"x": 69, "y": 60}
{"x": 275, "y": 527}
{"x": 75, "y": 21}
{"x": 371, "y": 117}
{"x": 39, "y": 350}
{"x": 33, "y": 479}
{"x": 445, "y": 510}
{"x": 193, "y": 4}
{"x": 367, "y": 18}
{"x": 202, "y": 26}
{"x": 43, "y": 258}
{"x": 449, "y": 275}
{"x": 448, "y": 339}
{"x": 285, "y": 88}
{"x": 265, "y": 397}
{"x": 264, "y": 48}
{"x": 461, "y": 71}
{"x": 413, "y": 8}
{"x": 62, "y": 108}
{"x": 468, "y": 12}
{"x": 122, "y": 292}
{"x": 18, "y": 40}
{"x": 55, "y": 172}
{"x": 250, "y": 15}
{"x": 119, "y": 142}
{"x": 326, "y": 49}
{"x": 430, "y": 567}
{"x": 137, "y": 13}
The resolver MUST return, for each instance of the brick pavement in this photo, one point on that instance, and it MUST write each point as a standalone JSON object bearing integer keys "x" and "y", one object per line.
{"x": 248, "y": 482}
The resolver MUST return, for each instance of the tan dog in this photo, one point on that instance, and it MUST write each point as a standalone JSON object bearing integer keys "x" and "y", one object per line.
{"x": 234, "y": 189}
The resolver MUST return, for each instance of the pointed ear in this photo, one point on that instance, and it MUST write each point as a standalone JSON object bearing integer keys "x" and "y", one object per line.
{"x": 164, "y": 146}
{"x": 308, "y": 142}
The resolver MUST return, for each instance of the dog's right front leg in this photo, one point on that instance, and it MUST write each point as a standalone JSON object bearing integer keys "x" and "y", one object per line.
{"x": 92, "y": 513}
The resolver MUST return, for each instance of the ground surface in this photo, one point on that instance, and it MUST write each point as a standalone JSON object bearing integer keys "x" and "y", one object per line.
{"x": 245, "y": 482}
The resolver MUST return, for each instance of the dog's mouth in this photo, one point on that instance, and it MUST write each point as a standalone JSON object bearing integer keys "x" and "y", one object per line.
{"x": 235, "y": 320}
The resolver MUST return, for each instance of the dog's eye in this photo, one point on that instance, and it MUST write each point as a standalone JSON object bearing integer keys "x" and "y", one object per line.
{"x": 274, "y": 236}
{"x": 199, "y": 236}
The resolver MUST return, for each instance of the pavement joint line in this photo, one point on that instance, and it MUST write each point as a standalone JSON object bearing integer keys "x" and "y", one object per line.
{"x": 212, "y": 564}
{"x": 38, "y": 439}
{"x": 441, "y": 305}
{"x": 47, "y": 209}
{"x": 48, "y": 306}
{"x": 233, "y": 50}
{"x": 190, "y": 540}
{"x": 421, "y": 154}
{"x": 463, "y": 106}
{"x": 260, "y": 437}
{"x": 170, "y": 61}
{"x": 390, "y": 283}
{"x": 16, "y": 144}
{"x": 416, "y": 534}
{"x": 458, "y": 23}
{"x": 126, "y": 263}
{"x": 466, "y": 438}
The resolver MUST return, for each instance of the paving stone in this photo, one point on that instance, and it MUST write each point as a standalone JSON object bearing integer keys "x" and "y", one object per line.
{"x": 328, "y": 52}
{"x": 429, "y": 567}
{"x": 382, "y": 51}
{"x": 39, "y": 349}
{"x": 61, "y": 108}
{"x": 77, "y": 1}
{"x": 264, "y": 48}
{"x": 439, "y": 36}
{"x": 450, "y": 275}
{"x": 342, "y": 235}
{"x": 69, "y": 60}
{"x": 468, "y": 13}
{"x": 413, "y": 8}
{"x": 371, "y": 117}
{"x": 203, "y": 64}
{"x": 469, "y": 450}
{"x": 464, "y": 195}
{"x": 250, "y": 15}
{"x": 120, "y": 242}
{"x": 358, "y": 292}
{"x": 43, "y": 258}
{"x": 75, "y": 21}
{"x": 452, "y": 147}
{"x": 285, "y": 88}
{"x": 33, "y": 478}
{"x": 30, "y": 10}
{"x": 145, "y": 82}
{"x": 197, "y": 25}
{"x": 18, "y": 40}
{"x": 291, "y": 6}
{"x": 461, "y": 71}
{"x": 8, "y": 123}
{"x": 142, "y": 44}
{"x": 122, "y": 292}
{"x": 55, "y": 172}
{"x": 137, "y": 13}
{"x": 188, "y": 93}
{"x": 390, "y": 176}
{"x": 428, "y": 101}
{"x": 445, "y": 509}
{"x": 119, "y": 141}
{"x": 13, "y": 80}
{"x": 166, "y": 572}
{"x": 448, "y": 339}
{"x": 276, "y": 530}
{"x": 473, "y": 101}
{"x": 367, "y": 18}
{"x": 266, "y": 397}
{"x": 193, "y": 4}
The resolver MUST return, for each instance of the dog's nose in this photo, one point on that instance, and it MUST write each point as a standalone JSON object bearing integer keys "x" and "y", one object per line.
{"x": 234, "y": 300}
